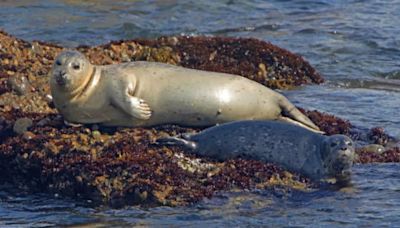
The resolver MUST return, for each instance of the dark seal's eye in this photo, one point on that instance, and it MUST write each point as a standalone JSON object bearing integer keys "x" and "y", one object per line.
{"x": 58, "y": 62}
{"x": 333, "y": 144}
{"x": 76, "y": 66}
{"x": 349, "y": 143}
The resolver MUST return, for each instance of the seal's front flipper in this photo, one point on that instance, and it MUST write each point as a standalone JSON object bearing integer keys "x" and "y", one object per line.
{"x": 139, "y": 108}
{"x": 175, "y": 141}
{"x": 133, "y": 106}
{"x": 289, "y": 110}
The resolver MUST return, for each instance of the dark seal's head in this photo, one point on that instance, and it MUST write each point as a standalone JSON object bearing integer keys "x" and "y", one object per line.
{"x": 71, "y": 71}
{"x": 338, "y": 156}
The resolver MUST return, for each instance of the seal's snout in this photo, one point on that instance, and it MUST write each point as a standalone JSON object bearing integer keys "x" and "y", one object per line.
{"x": 61, "y": 78}
{"x": 344, "y": 161}
{"x": 345, "y": 154}
{"x": 348, "y": 151}
{"x": 341, "y": 156}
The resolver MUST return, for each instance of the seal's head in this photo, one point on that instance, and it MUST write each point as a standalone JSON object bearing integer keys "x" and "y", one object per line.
{"x": 338, "y": 156}
{"x": 71, "y": 71}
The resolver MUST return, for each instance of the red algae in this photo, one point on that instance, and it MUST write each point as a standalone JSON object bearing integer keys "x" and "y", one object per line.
{"x": 258, "y": 60}
{"x": 116, "y": 169}
{"x": 390, "y": 155}
{"x": 328, "y": 123}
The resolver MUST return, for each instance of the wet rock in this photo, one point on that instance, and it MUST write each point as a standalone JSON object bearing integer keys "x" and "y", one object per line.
{"x": 373, "y": 148}
{"x": 22, "y": 125}
{"x": 377, "y": 135}
{"x": 19, "y": 84}
{"x": 390, "y": 155}
{"x": 44, "y": 122}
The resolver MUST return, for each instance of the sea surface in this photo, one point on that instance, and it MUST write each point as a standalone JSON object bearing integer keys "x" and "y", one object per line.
{"x": 354, "y": 44}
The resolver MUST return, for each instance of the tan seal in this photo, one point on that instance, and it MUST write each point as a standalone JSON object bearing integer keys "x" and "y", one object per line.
{"x": 148, "y": 93}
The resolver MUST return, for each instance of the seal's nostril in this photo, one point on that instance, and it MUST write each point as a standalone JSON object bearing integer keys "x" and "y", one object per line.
{"x": 60, "y": 78}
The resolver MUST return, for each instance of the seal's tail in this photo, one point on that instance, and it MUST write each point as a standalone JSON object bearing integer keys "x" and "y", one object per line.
{"x": 175, "y": 141}
{"x": 292, "y": 112}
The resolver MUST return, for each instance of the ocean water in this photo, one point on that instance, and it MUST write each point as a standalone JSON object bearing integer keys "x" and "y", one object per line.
{"x": 354, "y": 44}
{"x": 372, "y": 201}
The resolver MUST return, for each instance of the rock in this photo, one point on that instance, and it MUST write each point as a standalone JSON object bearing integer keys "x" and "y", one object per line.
{"x": 44, "y": 122}
{"x": 19, "y": 84}
{"x": 373, "y": 148}
{"x": 378, "y": 136}
{"x": 22, "y": 125}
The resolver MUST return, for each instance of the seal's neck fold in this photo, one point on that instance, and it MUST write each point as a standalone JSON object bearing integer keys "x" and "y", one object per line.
{"x": 88, "y": 85}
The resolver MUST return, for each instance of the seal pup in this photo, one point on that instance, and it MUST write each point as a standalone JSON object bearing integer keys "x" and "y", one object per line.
{"x": 297, "y": 149}
{"x": 148, "y": 93}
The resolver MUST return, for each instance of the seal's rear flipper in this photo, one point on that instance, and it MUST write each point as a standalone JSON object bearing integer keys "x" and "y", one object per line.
{"x": 292, "y": 112}
{"x": 288, "y": 120}
{"x": 175, "y": 141}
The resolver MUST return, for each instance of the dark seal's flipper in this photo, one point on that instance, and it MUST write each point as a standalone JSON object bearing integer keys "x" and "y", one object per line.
{"x": 175, "y": 141}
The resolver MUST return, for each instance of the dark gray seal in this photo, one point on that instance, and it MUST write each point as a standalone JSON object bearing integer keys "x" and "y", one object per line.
{"x": 294, "y": 148}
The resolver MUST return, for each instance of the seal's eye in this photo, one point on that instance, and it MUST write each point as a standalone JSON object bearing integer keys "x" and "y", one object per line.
{"x": 76, "y": 66}
{"x": 349, "y": 143}
{"x": 58, "y": 62}
{"x": 333, "y": 144}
